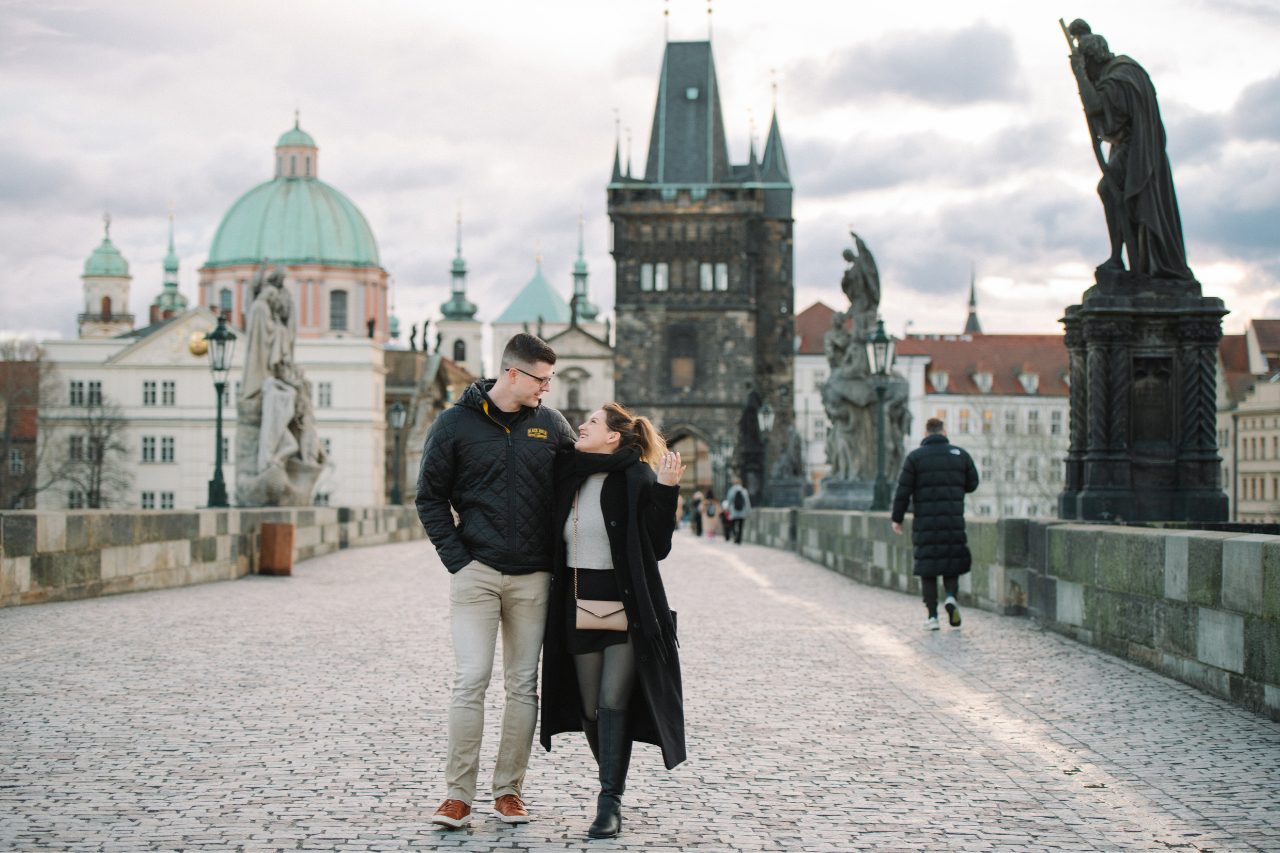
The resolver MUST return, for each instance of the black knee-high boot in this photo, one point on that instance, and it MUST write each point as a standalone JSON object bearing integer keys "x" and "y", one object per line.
{"x": 615, "y": 757}
{"x": 590, "y": 728}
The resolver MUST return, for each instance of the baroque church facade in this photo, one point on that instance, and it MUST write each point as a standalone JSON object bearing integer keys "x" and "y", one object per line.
{"x": 704, "y": 277}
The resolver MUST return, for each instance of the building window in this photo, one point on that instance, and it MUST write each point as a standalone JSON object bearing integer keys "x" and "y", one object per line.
{"x": 646, "y": 277}
{"x": 324, "y": 395}
{"x": 964, "y": 421}
{"x": 661, "y": 277}
{"x": 988, "y": 421}
{"x": 17, "y": 462}
{"x": 168, "y": 394}
{"x": 1033, "y": 469}
{"x": 683, "y": 354}
{"x": 148, "y": 500}
{"x": 166, "y": 500}
{"x": 77, "y": 393}
{"x": 985, "y": 467}
{"x": 148, "y": 448}
{"x": 225, "y": 301}
{"x": 75, "y": 448}
{"x": 148, "y": 393}
{"x": 293, "y": 165}
{"x": 338, "y": 310}
{"x": 166, "y": 448}
{"x": 327, "y": 444}
{"x": 1055, "y": 422}
{"x": 106, "y": 307}
{"x": 226, "y": 449}
{"x": 321, "y": 499}
{"x": 76, "y": 499}
{"x": 459, "y": 351}
{"x": 1010, "y": 422}
{"x": 706, "y": 277}
{"x": 95, "y": 393}
{"x": 722, "y": 276}
{"x": 1033, "y": 422}
{"x": 574, "y": 396}
{"x": 1011, "y": 471}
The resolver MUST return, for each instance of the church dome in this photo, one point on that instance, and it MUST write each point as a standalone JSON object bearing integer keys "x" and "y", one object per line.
{"x": 294, "y": 219}
{"x": 106, "y": 260}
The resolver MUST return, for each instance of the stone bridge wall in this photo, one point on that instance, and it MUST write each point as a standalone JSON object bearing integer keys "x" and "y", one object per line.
{"x": 1202, "y": 607}
{"x": 63, "y": 555}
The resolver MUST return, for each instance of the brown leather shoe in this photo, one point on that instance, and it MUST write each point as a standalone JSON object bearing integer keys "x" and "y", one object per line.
{"x": 454, "y": 814}
{"x": 511, "y": 809}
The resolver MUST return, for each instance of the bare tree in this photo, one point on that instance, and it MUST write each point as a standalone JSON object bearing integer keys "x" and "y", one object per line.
{"x": 88, "y": 453}
{"x": 27, "y": 380}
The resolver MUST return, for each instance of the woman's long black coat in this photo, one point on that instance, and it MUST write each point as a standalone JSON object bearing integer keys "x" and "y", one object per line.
{"x": 935, "y": 478}
{"x": 639, "y": 516}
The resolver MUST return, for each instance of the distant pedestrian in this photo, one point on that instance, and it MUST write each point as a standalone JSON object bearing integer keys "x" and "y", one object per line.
{"x": 711, "y": 514}
{"x": 738, "y": 503}
{"x": 935, "y": 478}
{"x": 695, "y": 512}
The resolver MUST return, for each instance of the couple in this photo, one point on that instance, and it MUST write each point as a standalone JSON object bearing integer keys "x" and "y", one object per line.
{"x": 546, "y": 524}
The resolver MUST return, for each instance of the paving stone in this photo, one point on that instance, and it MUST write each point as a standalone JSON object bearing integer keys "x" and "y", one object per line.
{"x": 309, "y": 713}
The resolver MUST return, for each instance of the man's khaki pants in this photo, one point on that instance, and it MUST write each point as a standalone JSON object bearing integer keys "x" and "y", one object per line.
{"x": 480, "y": 600}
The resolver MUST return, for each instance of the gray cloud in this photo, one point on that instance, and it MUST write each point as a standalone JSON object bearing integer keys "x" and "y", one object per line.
{"x": 967, "y": 66}
{"x": 1257, "y": 112}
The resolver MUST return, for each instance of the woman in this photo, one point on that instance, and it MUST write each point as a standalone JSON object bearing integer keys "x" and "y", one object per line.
{"x": 711, "y": 510}
{"x": 616, "y": 686}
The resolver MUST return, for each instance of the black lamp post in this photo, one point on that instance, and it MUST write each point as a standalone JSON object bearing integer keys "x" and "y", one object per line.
{"x": 396, "y": 418}
{"x": 222, "y": 344}
{"x": 881, "y": 346}
{"x": 764, "y": 420}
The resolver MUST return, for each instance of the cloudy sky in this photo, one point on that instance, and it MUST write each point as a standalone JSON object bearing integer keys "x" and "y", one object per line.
{"x": 947, "y": 134}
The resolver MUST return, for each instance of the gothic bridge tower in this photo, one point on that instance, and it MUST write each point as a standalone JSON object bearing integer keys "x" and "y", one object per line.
{"x": 703, "y": 253}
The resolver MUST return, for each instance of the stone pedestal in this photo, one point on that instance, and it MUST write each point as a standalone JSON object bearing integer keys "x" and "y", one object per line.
{"x": 1143, "y": 356}
{"x": 785, "y": 491}
{"x": 842, "y": 494}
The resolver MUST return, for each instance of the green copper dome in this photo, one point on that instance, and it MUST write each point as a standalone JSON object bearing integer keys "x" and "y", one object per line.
{"x": 295, "y": 136}
{"x": 106, "y": 260}
{"x": 537, "y": 300}
{"x": 294, "y": 220}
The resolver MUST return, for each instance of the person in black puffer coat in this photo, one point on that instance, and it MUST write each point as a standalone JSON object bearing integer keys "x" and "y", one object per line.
{"x": 935, "y": 478}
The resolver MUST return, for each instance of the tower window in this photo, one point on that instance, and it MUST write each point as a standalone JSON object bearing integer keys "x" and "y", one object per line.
{"x": 646, "y": 277}
{"x": 459, "y": 350}
{"x": 706, "y": 277}
{"x": 722, "y": 276}
{"x": 338, "y": 310}
{"x": 661, "y": 276}
{"x": 106, "y": 307}
{"x": 293, "y": 165}
{"x": 308, "y": 165}
{"x": 683, "y": 351}
{"x": 225, "y": 301}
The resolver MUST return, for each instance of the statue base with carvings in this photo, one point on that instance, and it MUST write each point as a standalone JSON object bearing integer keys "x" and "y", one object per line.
{"x": 842, "y": 494}
{"x": 1143, "y": 378}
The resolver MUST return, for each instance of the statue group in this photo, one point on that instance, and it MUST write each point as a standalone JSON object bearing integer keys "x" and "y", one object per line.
{"x": 279, "y": 456}
{"x": 849, "y": 394}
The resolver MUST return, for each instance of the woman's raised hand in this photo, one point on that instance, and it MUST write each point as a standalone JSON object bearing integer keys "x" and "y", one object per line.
{"x": 670, "y": 469}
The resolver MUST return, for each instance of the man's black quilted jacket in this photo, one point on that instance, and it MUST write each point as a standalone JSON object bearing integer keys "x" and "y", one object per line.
{"x": 500, "y": 481}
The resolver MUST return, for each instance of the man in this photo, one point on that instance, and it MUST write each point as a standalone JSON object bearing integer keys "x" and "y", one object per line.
{"x": 491, "y": 457}
{"x": 738, "y": 504}
{"x": 934, "y": 480}
{"x": 695, "y": 515}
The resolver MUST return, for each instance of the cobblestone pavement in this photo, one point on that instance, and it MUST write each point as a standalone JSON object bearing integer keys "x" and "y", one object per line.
{"x": 308, "y": 713}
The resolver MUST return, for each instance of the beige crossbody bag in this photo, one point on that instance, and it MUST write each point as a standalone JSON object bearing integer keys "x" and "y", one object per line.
{"x": 593, "y": 615}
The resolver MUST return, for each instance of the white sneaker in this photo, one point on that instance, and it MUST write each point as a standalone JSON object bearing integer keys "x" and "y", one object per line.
{"x": 931, "y": 624}
{"x": 953, "y": 611}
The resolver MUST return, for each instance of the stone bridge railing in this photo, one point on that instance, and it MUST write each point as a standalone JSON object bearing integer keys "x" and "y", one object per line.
{"x": 62, "y": 555}
{"x": 1199, "y": 606}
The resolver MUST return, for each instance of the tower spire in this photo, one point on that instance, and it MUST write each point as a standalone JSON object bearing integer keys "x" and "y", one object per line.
{"x": 580, "y": 305}
{"x": 972, "y": 326}
{"x": 458, "y": 307}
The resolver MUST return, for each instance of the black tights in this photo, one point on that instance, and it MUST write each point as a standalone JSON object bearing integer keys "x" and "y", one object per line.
{"x": 929, "y": 587}
{"x": 606, "y": 678}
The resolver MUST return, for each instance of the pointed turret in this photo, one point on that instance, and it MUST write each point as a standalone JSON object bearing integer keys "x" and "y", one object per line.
{"x": 687, "y": 143}
{"x": 972, "y": 326}
{"x": 581, "y": 305}
{"x": 170, "y": 301}
{"x": 775, "y": 158}
{"x": 458, "y": 307}
{"x": 617, "y": 163}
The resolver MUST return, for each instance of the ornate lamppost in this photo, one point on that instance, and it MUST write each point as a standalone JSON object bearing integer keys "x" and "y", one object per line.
{"x": 396, "y": 418}
{"x": 764, "y": 420}
{"x": 881, "y": 352}
{"x": 222, "y": 344}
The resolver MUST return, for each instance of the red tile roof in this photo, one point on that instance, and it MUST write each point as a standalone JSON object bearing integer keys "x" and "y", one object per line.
{"x": 812, "y": 325}
{"x": 1003, "y": 356}
{"x": 1268, "y": 332}
{"x": 1234, "y": 351}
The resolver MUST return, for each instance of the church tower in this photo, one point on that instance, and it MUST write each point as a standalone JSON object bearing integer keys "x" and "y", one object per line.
{"x": 170, "y": 302}
{"x": 971, "y": 325}
{"x": 106, "y": 291}
{"x": 460, "y": 331}
{"x": 703, "y": 253}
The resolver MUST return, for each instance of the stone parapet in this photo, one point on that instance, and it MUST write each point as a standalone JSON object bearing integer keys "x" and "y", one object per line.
{"x": 1202, "y": 607}
{"x": 62, "y": 555}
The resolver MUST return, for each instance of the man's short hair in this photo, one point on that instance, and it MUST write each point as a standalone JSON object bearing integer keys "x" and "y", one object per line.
{"x": 933, "y": 426}
{"x": 525, "y": 348}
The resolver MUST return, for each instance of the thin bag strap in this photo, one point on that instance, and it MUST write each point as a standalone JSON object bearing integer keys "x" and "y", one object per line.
{"x": 575, "y": 542}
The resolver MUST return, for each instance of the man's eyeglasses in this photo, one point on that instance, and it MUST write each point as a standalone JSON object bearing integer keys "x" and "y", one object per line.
{"x": 543, "y": 381}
